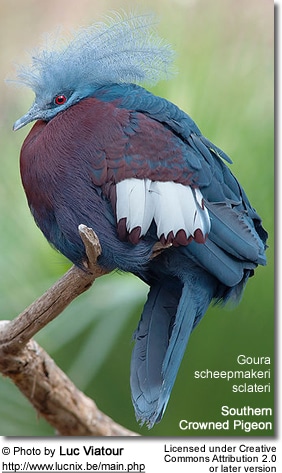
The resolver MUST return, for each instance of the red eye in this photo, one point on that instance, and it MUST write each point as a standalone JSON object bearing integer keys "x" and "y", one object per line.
{"x": 60, "y": 99}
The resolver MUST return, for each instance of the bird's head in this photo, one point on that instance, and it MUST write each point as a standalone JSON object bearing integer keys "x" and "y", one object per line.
{"x": 46, "y": 106}
{"x": 122, "y": 50}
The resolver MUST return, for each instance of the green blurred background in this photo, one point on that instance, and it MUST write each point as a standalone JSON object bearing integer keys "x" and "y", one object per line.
{"x": 225, "y": 82}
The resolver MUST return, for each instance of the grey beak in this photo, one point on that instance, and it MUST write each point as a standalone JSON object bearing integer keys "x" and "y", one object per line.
{"x": 30, "y": 116}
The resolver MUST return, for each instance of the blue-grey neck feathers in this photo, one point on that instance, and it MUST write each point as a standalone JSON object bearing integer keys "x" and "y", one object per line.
{"x": 122, "y": 49}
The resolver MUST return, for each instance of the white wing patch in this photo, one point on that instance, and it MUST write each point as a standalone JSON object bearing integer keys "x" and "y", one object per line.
{"x": 178, "y": 211}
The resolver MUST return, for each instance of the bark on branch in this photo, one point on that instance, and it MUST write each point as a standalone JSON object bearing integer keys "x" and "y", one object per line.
{"x": 48, "y": 389}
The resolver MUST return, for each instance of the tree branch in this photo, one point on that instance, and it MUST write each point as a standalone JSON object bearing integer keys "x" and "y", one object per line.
{"x": 48, "y": 389}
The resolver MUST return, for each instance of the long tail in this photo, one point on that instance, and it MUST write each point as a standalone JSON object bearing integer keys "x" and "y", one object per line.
{"x": 171, "y": 312}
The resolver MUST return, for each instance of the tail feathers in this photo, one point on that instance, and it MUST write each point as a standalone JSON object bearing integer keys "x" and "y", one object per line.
{"x": 170, "y": 314}
{"x": 151, "y": 342}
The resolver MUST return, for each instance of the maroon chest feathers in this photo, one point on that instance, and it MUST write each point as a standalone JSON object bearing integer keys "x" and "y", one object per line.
{"x": 99, "y": 143}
